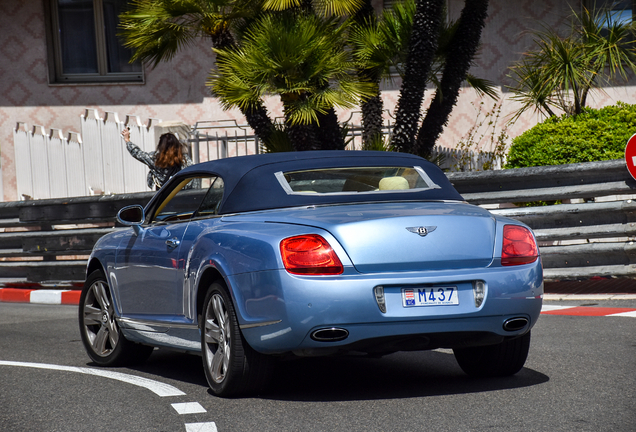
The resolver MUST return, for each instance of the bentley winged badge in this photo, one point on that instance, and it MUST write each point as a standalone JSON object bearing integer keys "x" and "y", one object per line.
{"x": 422, "y": 231}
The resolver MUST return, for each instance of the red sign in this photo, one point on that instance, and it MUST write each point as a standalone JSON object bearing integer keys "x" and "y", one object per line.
{"x": 630, "y": 155}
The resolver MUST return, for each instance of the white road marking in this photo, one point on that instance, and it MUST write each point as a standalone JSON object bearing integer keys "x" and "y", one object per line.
{"x": 158, "y": 388}
{"x": 547, "y": 308}
{"x": 188, "y": 408}
{"x": 46, "y": 296}
{"x": 631, "y": 314}
{"x": 201, "y": 427}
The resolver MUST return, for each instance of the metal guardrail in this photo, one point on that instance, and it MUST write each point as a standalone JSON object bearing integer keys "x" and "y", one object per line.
{"x": 48, "y": 241}
{"x": 577, "y": 241}
{"x": 582, "y": 180}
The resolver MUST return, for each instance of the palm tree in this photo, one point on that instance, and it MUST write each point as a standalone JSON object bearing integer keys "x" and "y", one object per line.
{"x": 562, "y": 71}
{"x": 325, "y": 132}
{"x": 157, "y": 29}
{"x": 365, "y": 18}
{"x": 328, "y": 69}
{"x": 379, "y": 45}
{"x": 382, "y": 46}
{"x": 302, "y": 58}
{"x": 459, "y": 55}
{"x": 421, "y": 52}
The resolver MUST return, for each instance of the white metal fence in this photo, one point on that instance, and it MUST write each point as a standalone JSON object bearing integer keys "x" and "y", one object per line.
{"x": 95, "y": 161}
{"x": 211, "y": 140}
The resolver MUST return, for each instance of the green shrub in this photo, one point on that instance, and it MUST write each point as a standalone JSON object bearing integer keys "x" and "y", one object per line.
{"x": 594, "y": 135}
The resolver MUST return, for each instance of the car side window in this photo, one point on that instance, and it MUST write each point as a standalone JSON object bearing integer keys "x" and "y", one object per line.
{"x": 212, "y": 200}
{"x": 185, "y": 198}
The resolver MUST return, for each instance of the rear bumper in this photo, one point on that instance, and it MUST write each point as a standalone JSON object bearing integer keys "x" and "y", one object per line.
{"x": 278, "y": 312}
{"x": 394, "y": 336}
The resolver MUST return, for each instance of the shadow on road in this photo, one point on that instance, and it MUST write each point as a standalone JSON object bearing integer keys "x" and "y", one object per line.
{"x": 400, "y": 375}
{"x": 174, "y": 365}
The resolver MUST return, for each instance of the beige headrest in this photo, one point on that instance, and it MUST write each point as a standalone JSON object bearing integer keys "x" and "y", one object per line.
{"x": 393, "y": 183}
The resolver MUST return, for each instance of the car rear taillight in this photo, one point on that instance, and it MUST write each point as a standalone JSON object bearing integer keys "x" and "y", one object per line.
{"x": 309, "y": 255}
{"x": 519, "y": 246}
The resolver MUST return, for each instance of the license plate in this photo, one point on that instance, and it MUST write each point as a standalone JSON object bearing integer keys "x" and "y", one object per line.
{"x": 435, "y": 296}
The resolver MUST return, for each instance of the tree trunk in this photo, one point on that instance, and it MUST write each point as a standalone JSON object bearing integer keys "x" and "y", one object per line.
{"x": 302, "y": 137}
{"x": 462, "y": 49}
{"x": 372, "y": 107}
{"x": 259, "y": 121}
{"x": 371, "y": 120}
{"x": 328, "y": 132}
{"x": 422, "y": 46}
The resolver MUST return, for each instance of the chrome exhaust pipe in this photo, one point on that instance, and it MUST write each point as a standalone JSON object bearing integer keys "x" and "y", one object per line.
{"x": 515, "y": 324}
{"x": 332, "y": 334}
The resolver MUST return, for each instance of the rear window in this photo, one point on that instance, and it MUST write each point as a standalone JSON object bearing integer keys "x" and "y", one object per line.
{"x": 367, "y": 180}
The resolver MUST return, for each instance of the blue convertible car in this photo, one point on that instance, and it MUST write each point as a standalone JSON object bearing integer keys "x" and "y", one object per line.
{"x": 249, "y": 259}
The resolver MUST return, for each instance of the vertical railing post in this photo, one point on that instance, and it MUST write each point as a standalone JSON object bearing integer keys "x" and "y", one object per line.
{"x": 195, "y": 151}
{"x": 23, "y": 158}
{"x": 224, "y": 147}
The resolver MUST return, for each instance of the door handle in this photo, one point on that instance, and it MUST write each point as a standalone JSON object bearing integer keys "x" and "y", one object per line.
{"x": 173, "y": 242}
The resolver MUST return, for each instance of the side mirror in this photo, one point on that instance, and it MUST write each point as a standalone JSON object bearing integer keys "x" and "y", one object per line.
{"x": 132, "y": 216}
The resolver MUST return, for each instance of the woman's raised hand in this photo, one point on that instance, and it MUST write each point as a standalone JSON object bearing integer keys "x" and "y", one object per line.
{"x": 126, "y": 134}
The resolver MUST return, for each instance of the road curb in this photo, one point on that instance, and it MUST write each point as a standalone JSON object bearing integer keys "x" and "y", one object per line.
{"x": 594, "y": 297}
{"x": 40, "y": 296}
{"x": 71, "y": 296}
{"x": 588, "y": 311}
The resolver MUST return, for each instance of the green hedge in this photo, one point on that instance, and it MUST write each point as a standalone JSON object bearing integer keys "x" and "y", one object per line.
{"x": 594, "y": 135}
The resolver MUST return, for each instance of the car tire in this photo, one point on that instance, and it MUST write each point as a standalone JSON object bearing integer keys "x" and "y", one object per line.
{"x": 231, "y": 366}
{"x": 101, "y": 335}
{"x": 504, "y": 359}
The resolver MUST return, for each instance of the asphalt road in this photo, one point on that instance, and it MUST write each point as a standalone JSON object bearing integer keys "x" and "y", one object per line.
{"x": 580, "y": 376}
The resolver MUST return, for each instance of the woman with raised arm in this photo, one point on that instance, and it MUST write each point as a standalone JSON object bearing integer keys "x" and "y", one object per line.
{"x": 169, "y": 158}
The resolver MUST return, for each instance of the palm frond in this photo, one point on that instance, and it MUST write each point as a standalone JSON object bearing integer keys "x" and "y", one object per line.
{"x": 323, "y": 8}
{"x": 482, "y": 86}
{"x": 280, "y": 5}
{"x": 301, "y": 57}
{"x": 338, "y": 7}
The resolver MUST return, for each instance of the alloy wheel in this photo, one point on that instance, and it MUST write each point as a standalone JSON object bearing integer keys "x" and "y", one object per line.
{"x": 99, "y": 320}
{"x": 217, "y": 338}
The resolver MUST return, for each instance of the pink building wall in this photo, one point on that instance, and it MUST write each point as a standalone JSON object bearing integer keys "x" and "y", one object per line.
{"x": 176, "y": 90}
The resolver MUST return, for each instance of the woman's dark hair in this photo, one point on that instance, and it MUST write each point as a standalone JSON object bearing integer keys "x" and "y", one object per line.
{"x": 169, "y": 152}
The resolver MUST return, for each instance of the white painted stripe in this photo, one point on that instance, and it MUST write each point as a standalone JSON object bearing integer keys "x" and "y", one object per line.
{"x": 624, "y": 297}
{"x": 201, "y": 427}
{"x": 158, "y": 388}
{"x": 631, "y": 314}
{"x": 46, "y": 296}
{"x": 547, "y": 308}
{"x": 588, "y": 297}
{"x": 188, "y": 408}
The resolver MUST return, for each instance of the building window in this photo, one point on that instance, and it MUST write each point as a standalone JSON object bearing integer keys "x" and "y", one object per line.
{"x": 620, "y": 11}
{"x": 83, "y": 45}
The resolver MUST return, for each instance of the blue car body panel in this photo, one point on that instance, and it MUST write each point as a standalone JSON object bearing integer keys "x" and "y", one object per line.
{"x": 157, "y": 289}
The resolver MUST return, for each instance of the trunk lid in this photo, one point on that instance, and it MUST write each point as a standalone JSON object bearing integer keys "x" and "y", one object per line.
{"x": 385, "y": 237}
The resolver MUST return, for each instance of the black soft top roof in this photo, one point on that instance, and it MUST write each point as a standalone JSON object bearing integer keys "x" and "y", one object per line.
{"x": 251, "y": 184}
